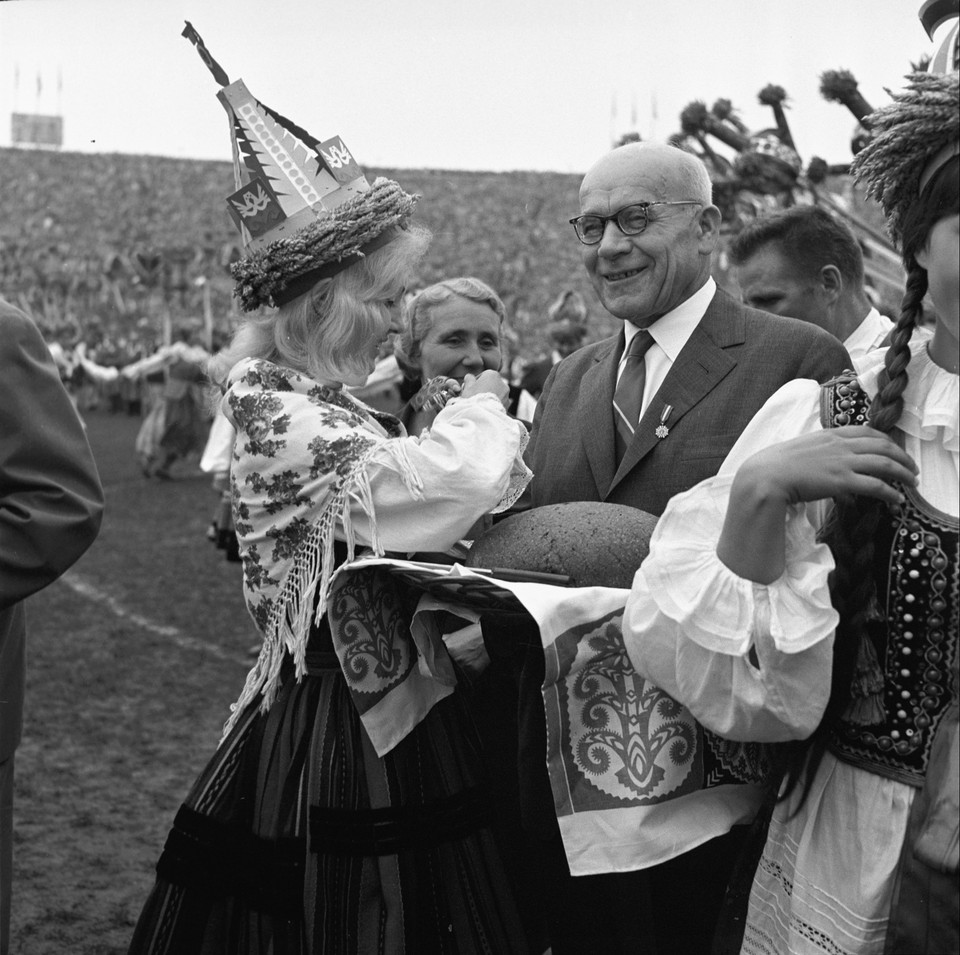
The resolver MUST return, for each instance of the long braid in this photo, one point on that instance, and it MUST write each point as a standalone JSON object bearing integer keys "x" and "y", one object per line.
{"x": 850, "y": 534}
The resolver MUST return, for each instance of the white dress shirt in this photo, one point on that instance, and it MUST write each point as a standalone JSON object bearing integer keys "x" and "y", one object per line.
{"x": 869, "y": 334}
{"x": 670, "y": 333}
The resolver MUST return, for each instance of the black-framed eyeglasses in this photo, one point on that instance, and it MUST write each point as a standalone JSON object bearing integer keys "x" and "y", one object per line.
{"x": 630, "y": 220}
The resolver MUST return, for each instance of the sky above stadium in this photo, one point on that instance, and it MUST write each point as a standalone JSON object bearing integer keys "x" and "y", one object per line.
{"x": 483, "y": 85}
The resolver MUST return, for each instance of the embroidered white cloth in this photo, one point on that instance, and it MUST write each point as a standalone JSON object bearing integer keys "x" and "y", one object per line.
{"x": 635, "y": 780}
{"x": 312, "y": 464}
{"x": 825, "y": 881}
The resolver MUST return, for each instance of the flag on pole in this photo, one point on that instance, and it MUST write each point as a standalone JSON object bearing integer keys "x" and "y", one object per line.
{"x": 219, "y": 74}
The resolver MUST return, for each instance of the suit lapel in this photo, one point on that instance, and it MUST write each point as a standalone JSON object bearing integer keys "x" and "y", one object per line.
{"x": 701, "y": 365}
{"x": 595, "y": 413}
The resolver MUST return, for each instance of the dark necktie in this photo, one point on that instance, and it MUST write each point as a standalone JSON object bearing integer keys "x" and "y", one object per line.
{"x": 628, "y": 398}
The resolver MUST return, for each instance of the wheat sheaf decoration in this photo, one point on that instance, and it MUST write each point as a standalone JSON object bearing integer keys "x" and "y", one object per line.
{"x": 919, "y": 126}
{"x": 335, "y": 237}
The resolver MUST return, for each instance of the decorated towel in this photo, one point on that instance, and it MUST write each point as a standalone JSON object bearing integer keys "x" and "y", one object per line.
{"x": 301, "y": 468}
{"x": 635, "y": 779}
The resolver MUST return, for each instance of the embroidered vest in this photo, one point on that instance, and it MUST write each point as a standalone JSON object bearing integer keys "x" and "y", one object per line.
{"x": 917, "y": 572}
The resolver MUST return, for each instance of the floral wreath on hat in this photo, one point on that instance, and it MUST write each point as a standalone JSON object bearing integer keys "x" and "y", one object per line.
{"x": 289, "y": 267}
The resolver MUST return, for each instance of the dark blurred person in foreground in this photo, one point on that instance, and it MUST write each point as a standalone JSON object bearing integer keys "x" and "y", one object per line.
{"x": 50, "y": 508}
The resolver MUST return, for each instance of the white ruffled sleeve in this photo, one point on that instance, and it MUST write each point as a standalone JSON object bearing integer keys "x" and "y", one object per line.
{"x": 751, "y": 661}
{"x": 428, "y": 491}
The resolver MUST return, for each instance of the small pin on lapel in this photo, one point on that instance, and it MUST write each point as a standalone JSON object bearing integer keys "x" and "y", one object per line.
{"x": 662, "y": 430}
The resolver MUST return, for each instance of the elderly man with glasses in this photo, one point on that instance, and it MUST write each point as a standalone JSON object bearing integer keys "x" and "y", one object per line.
{"x": 634, "y": 420}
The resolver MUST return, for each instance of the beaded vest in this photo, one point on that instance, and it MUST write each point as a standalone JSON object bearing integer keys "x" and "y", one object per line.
{"x": 916, "y": 567}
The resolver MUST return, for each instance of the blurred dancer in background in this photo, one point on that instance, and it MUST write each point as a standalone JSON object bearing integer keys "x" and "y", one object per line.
{"x": 176, "y": 425}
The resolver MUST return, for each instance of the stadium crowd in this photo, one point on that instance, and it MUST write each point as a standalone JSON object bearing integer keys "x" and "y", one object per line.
{"x": 553, "y": 751}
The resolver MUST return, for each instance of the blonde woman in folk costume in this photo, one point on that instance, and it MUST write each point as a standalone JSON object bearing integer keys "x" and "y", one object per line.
{"x": 343, "y": 811}
{"x": 768, "y": 634}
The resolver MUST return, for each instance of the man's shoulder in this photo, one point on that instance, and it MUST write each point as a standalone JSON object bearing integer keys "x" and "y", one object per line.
{"x": 13, "y": 317}
{"x": 19, "y": 330}
{"x": 588, "y": 354}
{"x": 791, "y": 331}
{"x": 771, "y": 348}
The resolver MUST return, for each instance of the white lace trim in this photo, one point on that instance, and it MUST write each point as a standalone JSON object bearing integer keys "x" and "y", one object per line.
{"x": 931, "y": 400}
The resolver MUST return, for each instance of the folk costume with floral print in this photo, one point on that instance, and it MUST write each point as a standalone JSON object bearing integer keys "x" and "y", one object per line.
{"x": 288, "y": 516}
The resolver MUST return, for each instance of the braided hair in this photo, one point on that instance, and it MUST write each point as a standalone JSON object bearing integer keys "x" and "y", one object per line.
{"x": 852, "y": 527}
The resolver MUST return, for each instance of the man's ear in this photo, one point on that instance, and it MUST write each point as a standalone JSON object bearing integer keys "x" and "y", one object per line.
{"x": 709, "y": 220}
{"x": 831, "y": 282}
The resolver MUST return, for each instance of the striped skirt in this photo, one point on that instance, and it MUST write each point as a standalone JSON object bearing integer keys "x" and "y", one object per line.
{"x": 297, "y": 839}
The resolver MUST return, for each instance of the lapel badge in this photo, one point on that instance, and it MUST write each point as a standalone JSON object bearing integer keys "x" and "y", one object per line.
{"x": 662, "y": 430}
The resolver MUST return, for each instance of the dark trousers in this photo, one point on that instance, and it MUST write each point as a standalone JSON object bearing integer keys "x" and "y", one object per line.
{"x": 669, "y": 909}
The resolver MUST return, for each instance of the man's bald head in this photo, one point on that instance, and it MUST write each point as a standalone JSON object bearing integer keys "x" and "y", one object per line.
{"x": 665, "y": 170}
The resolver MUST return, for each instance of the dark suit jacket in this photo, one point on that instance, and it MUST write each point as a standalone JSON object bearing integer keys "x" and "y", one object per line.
{"x": 50, "y": 495}
{"x": 736, "y": 358}
{"x": 535, "y": 374}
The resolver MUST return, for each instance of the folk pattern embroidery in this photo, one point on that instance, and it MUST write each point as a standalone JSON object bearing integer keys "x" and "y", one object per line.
{"x": 622, "y": 723}
{"x": 629, "y": 742}
{"x": 917, "y": 639}
{"x": 371, "y": 630}
{"x": 917, "y": 580}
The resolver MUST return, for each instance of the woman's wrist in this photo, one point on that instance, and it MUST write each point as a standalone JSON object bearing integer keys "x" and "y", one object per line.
{"x": 753, "y": 538}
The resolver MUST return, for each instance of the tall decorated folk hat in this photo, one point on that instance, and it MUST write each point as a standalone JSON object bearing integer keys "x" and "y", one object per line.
{"x": 304, "y": 208}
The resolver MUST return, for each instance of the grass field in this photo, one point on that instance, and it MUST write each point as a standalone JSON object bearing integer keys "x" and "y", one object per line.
{"x": 133, "y": 659}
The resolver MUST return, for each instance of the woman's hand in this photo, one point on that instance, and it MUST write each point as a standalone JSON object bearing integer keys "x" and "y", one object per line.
{"x": 835, "y": 462}
{"x": 827, "y": 464}
{"x": 487, "y": 382}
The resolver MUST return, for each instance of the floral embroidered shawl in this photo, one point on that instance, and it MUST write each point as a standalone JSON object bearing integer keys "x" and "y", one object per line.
{"x": 299, "y": 461}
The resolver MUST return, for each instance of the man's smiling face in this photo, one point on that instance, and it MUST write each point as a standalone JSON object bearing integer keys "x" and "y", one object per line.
{"x": 641, "y": 277}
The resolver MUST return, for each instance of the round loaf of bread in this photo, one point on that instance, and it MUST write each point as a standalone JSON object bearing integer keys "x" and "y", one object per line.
{"x": 594, "y": 544}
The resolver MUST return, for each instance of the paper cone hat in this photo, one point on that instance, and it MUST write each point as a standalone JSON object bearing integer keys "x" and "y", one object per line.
{"x": 304, "y": 208}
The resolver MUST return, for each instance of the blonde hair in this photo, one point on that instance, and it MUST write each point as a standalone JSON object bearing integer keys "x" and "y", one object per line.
{"x": 323, "y": 332}
{"x": 418, "y": 315}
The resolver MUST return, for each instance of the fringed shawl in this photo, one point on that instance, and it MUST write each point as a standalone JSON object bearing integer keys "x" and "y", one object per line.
{"x": 299, "y": 462}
